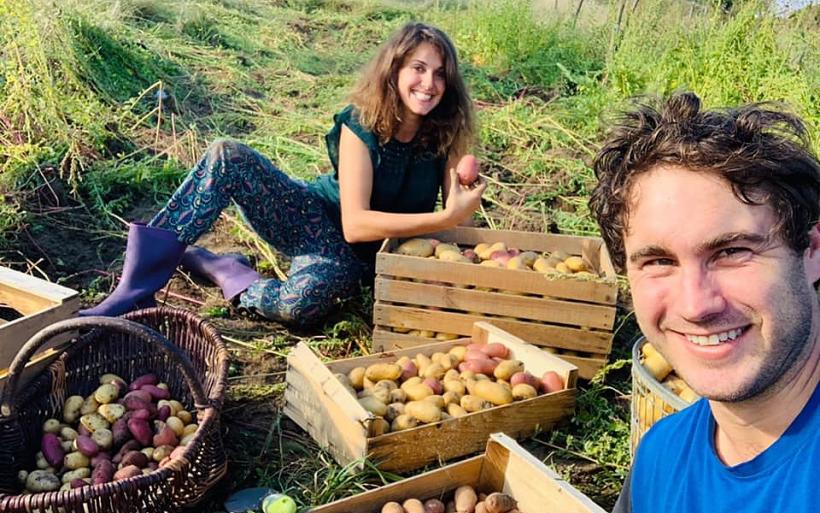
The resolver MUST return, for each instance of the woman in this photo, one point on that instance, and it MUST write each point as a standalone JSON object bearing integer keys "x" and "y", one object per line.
{"x": 409, "y": 121}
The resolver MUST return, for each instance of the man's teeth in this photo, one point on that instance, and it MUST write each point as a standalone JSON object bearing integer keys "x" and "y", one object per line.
{"x": 714, "y": 339}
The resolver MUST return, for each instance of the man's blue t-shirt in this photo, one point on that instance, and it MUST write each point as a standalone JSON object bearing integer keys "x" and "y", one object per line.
{"x": 677, "y": 470}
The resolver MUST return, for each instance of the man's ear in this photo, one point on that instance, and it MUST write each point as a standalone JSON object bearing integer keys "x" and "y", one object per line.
{"x": 811, "y": 258}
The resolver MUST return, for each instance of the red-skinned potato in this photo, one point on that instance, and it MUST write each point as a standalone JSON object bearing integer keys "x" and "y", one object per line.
{"x": 52, "y": 450}
{"x": 474, "y": 354}
{"x": 127, "y": 472}
{"x": 142, "y": 395}
{"x": 434, "y": 384}
{"x": 103, "y": 472}
{"x": 552, "y": 382}
{"x": 140, "y": 430}
{"x": 145, "y": 379}
{"x": 525, "y": 378}
{"x": 156, "y": 392}
{"x": 86, "y": 445}
{"x": 136, "y": 458}
{"x": 166, "y": 436}
{"x": 485, "y": 366}
{"x": 433, "y": 506}
{"x": 467, "y": 170}
{"x": 495, "y": 350}
{"x": 130, "y": 445}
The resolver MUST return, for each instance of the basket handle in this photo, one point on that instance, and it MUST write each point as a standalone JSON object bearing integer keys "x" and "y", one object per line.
{"x": 117, "y": 324}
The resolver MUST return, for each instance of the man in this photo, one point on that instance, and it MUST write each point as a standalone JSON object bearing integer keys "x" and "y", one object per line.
{"x": 714, "y": 217}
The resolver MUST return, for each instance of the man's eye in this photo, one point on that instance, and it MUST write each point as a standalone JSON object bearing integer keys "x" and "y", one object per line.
{"x": 658, "y": 262}
{"x": 733, "y": 253}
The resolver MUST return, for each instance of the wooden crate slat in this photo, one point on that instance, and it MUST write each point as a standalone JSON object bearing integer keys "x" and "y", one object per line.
{"x": 531, "y": 308}
{"x": 458, "y": 323}
{"x": 504, "y": 466}
{"x": 531, "y": 282}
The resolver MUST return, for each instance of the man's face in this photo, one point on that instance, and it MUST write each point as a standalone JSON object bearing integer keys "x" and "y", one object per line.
{"x": 720, "y": 295}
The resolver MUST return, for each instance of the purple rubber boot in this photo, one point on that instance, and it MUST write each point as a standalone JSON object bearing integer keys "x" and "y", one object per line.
{"x": 232, "y": 273}
{"x": 151, "y": 256}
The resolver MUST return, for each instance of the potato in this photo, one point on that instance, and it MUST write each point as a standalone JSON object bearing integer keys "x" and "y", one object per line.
{"x": 112, "y": 412}
{"x": 435, "y": 399}
{"x": 434, "y": 384}
{"x": 156, "y": 392}
{"x": 189, "y": 429}
{"x": 130, "y": 445}
{"x": 42, "y": 481}
{"x": 186, "y": 439}
{"x": 127, "y": 472}
{"x": 472, "y": 403}
{"x": 455, "y": 410}
{"x": 136, "y": 458}
{"x": 380, "y": 371}
{"x": 413, "y": 506}
{"x": 422, "y": 362}
{"x": 482, "y": 366}
{"x": 93, "y": 422}
{"x": 86, "y": 445}
{"x": 507, "y": 368}
{"x": 575, "y": 264}
{"x": 52, "y": 450}
{"x": 433, "y": 506}
{"x": 176, "y": 425}
{"x": 67, "y": 433}
{"x": 378, "y": 427}
{"x": 89, "y": 405}
{"x": 416, "y": 247}
{"x": 373, "y": 405}
{"x": 450, "y": 375}
{"x": 402, "y": 422}
{"x": 657, "y": 366}
{"x": 465, "y": 498}
{"x": 551, "y": 382}
{"x": 418, "y": 391}
{"x": 120, "y": 432}
{"x": 415, "y": 380}
{"x": 162, "y": 452}
{"x": 423, "y": 411}
{"x": 75, "y": 460}
{"x": 523, "y": 391}
{"x": 392, "y": 507}
{"x": 451, "y": 397}
{"x": 499, "y": 503}
{"x": 496, "y": 393}
{"x": 149, "y": 452}
{"x": 459, "y": 352}
{"x": 140, "y": 430}
{"x": 398, "y": 396}
{"x": 102, "y": 473}
{"x": 106, "y": 394}
{"x": 51, "y": 426}
{"x": 79, "y": 473}
{"x": 185, "y": 416}
{"x": 525, "y": 377}
{"x": 145, "y": 379}
{"x": 394, "y": 410}
{"x": 408, "y": 368}
{"x": 71, "y": 408}
{"x": 40, "y": 461}
{"x": 434, "y": 371}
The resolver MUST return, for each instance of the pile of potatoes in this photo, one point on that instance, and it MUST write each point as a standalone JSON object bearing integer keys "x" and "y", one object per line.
{"x": 119, "y": 431}
{"x": 662, "y": 371}
{"x": 465, "y": 500}
{"x": 500, "y": 256}
{"x": 427, "y": 389}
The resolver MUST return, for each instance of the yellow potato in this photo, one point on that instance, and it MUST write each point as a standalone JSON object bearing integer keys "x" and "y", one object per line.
{"x": 561, "y": 267}
{"x": 487, "y": 252}
{"x": 505, "y": 370}
{"x": 657, "y": 366}
{"x": 394, "y": 410}
{"x": 402, "y": 422}
{"x": 416, "y": 247}
{"x": 523, "y": 391}
{"x": 444, "y": 247}
{"x": 453, "y": 385}
{"x": 489, "y": 263}
{"x": 455, "y": 410}
{"x": 529, "y": 258}
{"x": 380, "y": 371}
{"x": 458, "y": 352}
{"x": 517, "y": 263}
{"x": 415, "y": 380}
{"x": 451, "y": 398}
{"x": 418, "y": 391}
{"x": 434, "y": 370}
{"x": 435, "y": 399}
{"x": 575, "y": 264}
{"x": 453, "y": 256}
{"x": 450, "y": 375}
{"x": 423, "y": 411}
{"x": 398, "y": 396}
{"x": 422, "y": 362}
{"x": 496, "y": 393}
{"x": 542, "y": 265}
{"x": 446, "y": 336}
{"x": 356, "y": 377}
{"x": 472, "y": 403}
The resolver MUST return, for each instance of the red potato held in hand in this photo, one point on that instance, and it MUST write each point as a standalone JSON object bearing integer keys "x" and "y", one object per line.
{"x": 467, "y": 170}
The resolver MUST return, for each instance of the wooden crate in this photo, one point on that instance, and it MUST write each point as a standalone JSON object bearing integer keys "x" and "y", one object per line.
{"x": 41, "y": 303}
{"x": 569, "y": 316}
{"x": 319, "y": 403}
{"x": 505, "y": 467}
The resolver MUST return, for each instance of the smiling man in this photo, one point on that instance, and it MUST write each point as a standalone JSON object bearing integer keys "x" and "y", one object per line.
{"x": 713, "y": 215}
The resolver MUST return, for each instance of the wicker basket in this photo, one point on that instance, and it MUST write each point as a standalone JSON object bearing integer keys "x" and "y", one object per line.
{"x": 651, "y": 401}
{"x": 195, "y": 368}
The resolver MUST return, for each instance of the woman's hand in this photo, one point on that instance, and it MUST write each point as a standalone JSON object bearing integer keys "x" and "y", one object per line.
{"x": 463, "y": 200}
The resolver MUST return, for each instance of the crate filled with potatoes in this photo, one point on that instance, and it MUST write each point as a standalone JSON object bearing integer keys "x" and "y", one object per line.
{"x": 555, "y": 291}
{"x": 656, "y": 390}
{"x": 406, "y": 408}
{"x": 504, "y": 479}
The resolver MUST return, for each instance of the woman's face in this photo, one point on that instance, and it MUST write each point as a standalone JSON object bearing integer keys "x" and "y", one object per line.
{"x": 421, "y": 82}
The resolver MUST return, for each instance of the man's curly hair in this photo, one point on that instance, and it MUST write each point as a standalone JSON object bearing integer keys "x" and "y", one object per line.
{"x": 762, "y": 152}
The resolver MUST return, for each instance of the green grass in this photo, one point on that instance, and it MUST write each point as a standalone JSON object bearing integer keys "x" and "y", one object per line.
{"x": 81, "y": 108}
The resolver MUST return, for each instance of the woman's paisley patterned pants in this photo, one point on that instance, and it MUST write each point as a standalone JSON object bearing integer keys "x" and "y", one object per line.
{"x": 285, "y": 214}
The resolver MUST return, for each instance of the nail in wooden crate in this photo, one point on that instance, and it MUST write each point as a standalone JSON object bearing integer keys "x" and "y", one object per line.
{"x": 504, "y": 467}
{"x": 567, "y": 315}
{"x": 39, "y": 304}
{"x": 318, "y": 402}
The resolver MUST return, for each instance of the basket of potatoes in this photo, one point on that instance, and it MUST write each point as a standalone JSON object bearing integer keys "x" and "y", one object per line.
{"x": 126, "y": 419}
{"x": 657, "y": 391}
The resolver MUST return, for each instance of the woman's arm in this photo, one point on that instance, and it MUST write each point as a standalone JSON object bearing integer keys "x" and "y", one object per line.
{"x": 361, "y": 224}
